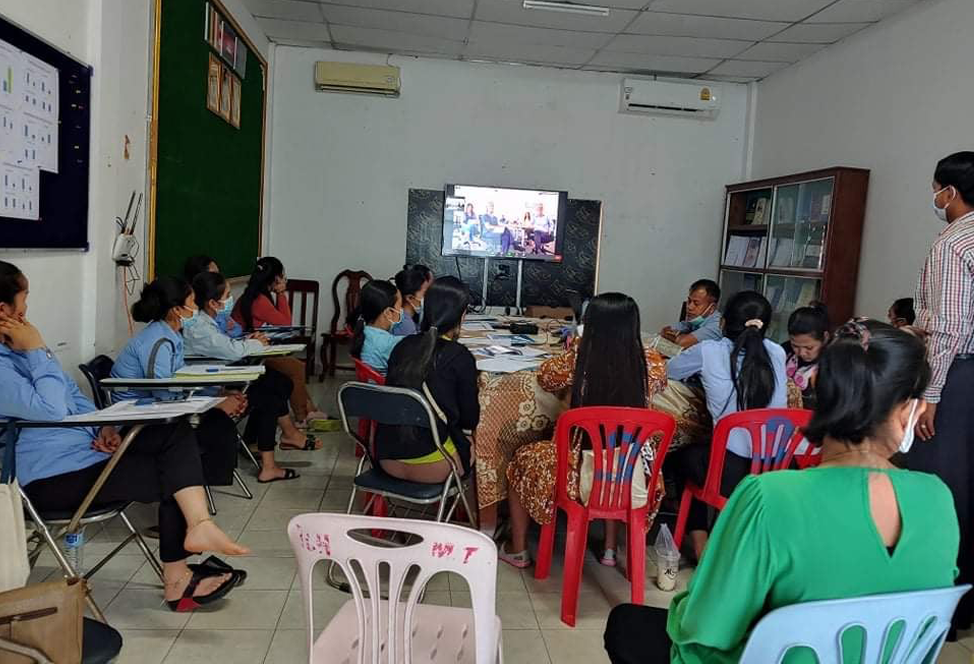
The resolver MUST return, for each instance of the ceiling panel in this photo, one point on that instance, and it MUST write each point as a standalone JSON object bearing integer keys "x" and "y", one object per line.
{"x": 780, "y": 52}
{"x": 701, "y": 48}
{"x": 493, "y": 50}
{"x": 292, "y": 10}
{"x": 511, "y": 11}
{"x": 860, "y": 11}
{"x": 294, "y": 29}
{"x": 821, "y": 33}
{"x": 708, "y": 27}
{"x": 653, "y": 62}
{"x": 727, "y": 79}
{"x": 397, "y": 42}
{"x": 747, "y": 68}
{"x": 414, "y": 24}
{"x": 761, "y": 10}
{"x": 517, "y": 34}
{"x": 455, "y": 8}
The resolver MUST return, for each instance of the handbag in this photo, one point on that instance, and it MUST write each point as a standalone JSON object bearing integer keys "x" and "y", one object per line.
{"x": 638, "y": 493}
{"x": 14, "y": 567}
{"x": 44, "y": 616}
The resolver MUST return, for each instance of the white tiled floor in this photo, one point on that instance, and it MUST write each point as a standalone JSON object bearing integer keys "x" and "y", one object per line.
{"x": 261, "y": 623}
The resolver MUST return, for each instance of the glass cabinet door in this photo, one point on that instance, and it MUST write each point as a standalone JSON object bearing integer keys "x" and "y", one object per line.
{"x": 800, "y": 221}
{"x": 732, "y": 281}
{"x": 785, "y": 295}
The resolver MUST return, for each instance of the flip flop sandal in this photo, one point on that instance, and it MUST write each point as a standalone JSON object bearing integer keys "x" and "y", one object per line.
{"x": 188, "y": 602}
{"x": 310, "y": 445}
{"x": 289, "y": 474}
{"x": 213, "y": 566}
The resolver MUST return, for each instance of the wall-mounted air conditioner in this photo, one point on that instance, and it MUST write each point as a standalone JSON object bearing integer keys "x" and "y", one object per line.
{"x": 688, "y": 99}
{"x": 362, "y": 79}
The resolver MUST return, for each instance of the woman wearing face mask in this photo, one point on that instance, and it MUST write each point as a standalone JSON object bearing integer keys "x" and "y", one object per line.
{"x": 808, "y": 334}
{"x": 267, "y": 397}
{"x": 412, "y": 285}
{"x": 196, "y": 265}
{"x": 943, "y": 304}
{"x": 874, "y": 529}
{"x": 58, "y": 467}
{"x": 380, "y": 309}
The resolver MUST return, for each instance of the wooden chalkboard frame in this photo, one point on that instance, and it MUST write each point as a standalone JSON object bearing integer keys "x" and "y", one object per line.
{"x": 151, "y": 215}
{"x": 63, "y": 203}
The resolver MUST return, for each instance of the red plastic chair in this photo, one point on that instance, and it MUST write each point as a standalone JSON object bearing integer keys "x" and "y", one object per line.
{"x": 366, "y": 431}
{"x": 775, "y": 436}
{"x": 609, "y": 499}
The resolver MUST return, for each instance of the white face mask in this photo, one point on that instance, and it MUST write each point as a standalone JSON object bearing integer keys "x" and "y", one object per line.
{"x": 909, "y": 434}
{"x": 940, "y": 212}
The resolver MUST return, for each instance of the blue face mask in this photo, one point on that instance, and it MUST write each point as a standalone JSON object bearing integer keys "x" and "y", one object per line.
{"x": 227, "y": 306}
{"x": 695, "y": 323}
{"x": 189, "y": 321}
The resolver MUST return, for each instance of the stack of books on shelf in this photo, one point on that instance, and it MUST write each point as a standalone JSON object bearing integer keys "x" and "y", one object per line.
{"x": 743, "y": 251}
{"x": 757, "y": 211}
{"x": 790, "y": 294}
{"x": 787, "y": 252}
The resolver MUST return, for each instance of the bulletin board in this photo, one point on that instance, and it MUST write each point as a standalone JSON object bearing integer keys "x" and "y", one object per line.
{"x": 45, "y": 120}
{"x": 206, "y": 173}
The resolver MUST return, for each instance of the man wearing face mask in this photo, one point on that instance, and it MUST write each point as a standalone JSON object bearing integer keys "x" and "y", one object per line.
{"x": 702, "y": 319}
{"x": 944, "y": 306}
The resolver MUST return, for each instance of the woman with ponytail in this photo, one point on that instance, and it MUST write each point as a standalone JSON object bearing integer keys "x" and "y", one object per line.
{"x": 741, "y": 371}
{"x": 449, "y": 370}
{"x": 379, "y": 311}
{"x": 854, "y": 526}
{"x": 412, "y": 285}
{"x": 58, "y": 467}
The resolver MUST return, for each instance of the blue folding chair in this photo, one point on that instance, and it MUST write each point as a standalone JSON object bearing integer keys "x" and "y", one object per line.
{"x": 910, "y": 626}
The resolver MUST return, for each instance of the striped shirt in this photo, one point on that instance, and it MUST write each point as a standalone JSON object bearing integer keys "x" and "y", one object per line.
{"x": 945, "y": 300}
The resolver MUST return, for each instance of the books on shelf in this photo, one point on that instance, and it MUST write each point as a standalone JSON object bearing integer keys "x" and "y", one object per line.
{"x": 783, "y": 252}
{"x": 786, "y": 209}
{"x": 759, "y": 212}
{"x": 751, "y": 254}
{"x": 736, "y": 250}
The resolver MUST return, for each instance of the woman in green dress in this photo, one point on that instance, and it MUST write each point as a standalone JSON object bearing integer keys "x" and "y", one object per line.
{"x": 854, "y": 526}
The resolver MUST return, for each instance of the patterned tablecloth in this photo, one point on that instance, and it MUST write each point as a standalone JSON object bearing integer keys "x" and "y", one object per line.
{"x": 515, "y": 411}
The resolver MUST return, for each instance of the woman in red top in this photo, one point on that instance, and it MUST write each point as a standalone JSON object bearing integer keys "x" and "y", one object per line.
{"x": 265, "y": 303}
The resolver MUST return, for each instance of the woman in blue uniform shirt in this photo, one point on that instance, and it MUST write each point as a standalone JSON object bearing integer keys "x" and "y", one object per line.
{"x": 58, "y": 467}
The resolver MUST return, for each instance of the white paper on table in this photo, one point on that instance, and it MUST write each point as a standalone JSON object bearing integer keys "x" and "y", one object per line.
{"x": 507, "y": 364}
{"x": 217, "y": 370}
{"x": 475, "y": 341}
{"x": 279, "y": 349}
{"x": 128, "y": 410}
{"x": 482, "y": 318}
{"x": 476, "y": 326}
{"x": 511, "y": 339}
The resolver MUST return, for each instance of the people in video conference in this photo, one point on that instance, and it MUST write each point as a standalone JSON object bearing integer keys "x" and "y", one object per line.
{"x": 482, "y": 227}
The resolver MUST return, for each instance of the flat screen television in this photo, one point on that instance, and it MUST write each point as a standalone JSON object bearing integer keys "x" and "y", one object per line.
{"x": 494, "y": 222}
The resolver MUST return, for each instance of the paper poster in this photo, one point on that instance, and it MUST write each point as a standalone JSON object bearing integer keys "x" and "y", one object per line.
{"x": 28, "y": 130}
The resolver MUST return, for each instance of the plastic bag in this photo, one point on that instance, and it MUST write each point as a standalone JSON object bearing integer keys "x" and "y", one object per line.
{"x": 667, "y": 559}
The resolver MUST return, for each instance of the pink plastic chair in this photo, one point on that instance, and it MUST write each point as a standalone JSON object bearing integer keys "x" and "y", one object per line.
{"x": 617, "y": 435}
{"x": 399, "y": 630}
{"x": 775, "y": 437}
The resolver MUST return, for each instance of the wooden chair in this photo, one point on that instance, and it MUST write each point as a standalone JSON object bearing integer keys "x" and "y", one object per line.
{"x": 340, "y": 331}
{"x": 308, "y": 289}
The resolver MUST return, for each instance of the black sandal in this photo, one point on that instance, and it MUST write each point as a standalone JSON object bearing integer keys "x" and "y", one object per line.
{"x": 188, "y": 602}
{"x": 310, "y": 445}
{"x": 289, "y": 474}
{"x": 213, "y": 566}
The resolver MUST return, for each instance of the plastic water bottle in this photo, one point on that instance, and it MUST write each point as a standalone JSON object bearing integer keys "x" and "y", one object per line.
{"x": 73, "y": 548}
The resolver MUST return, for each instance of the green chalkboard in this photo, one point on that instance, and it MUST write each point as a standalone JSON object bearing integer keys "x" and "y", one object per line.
{"x": 208, "y": 173}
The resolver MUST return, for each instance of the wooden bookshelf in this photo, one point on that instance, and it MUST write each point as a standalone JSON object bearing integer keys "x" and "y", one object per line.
{"x": 795, "y": 238}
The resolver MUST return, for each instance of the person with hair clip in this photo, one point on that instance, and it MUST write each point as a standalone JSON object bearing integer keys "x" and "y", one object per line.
{"x": 379, "y": 310}
{"x": 58, "y": 467}
{"x": 264, "y": 302}
{"x": 808, "y": 334}
{"x": 412, "y": 285}
{"x": 199, "y": 264}
{"x": 944, "y": 302}
{"x": 901, "y": 313}
{"x": 267, "y": 397}
{"x": 853, "y": 526}
{"x": 608, "y": 366}
{"x": 447, "y": 368}
{"x": 741, "y": 371}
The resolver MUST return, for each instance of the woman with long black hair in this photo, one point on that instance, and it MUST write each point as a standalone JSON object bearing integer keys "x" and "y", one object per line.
{"x": 379, "y": 311}
{"x": 608, "y": 367}
{"x": 741, "y": 371}
{"x": 434, "y": 358}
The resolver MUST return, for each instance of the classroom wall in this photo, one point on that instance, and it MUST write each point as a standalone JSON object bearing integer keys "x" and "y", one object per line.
{"x": 75, "y": 297}
{"x": 342, "y": 165}
{"x": 894, "y": 99}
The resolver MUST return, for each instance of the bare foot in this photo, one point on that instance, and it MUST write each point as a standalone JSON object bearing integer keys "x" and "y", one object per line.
{"x": 207, "y": 536}
{"x": 268, "y": 473}
{"x": 176, "y": 587}
{"x": 297, "y": 442}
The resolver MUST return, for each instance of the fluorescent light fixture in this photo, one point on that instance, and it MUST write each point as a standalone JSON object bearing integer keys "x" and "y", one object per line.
{"x": 567, "y": 7}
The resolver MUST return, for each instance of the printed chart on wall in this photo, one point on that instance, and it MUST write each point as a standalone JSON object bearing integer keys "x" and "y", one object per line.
{"x": 28, "y": 130}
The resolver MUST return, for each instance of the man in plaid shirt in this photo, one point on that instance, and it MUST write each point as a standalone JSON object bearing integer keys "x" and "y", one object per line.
{"x": 944, "y": 306}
